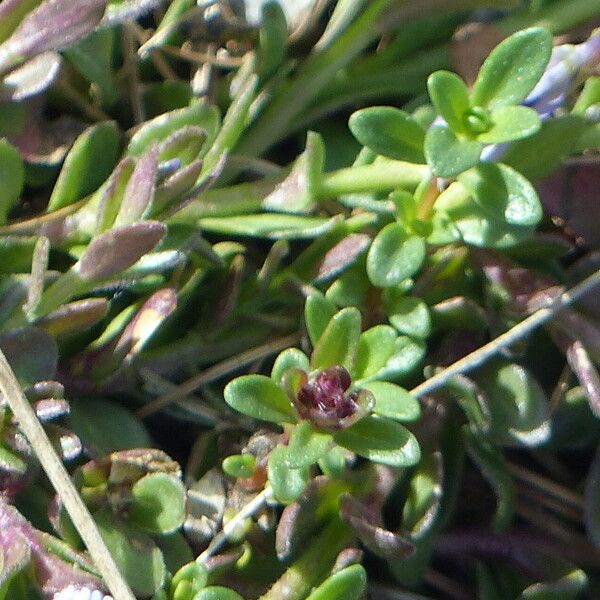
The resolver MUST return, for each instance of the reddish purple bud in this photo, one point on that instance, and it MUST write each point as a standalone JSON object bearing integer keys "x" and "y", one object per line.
{"x": 326, "y": 402}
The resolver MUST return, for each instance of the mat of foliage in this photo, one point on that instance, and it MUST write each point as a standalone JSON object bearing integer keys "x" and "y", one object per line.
{"x": 304, "y": 296}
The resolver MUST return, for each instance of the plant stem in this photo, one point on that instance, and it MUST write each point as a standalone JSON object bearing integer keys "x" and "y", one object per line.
{"x": 381, "y": 176}
{"x": 518, "y": 332}
{"x": 316, "y": 562}
{"x": 216, "y": 371}
{"x": 52, "y": 465}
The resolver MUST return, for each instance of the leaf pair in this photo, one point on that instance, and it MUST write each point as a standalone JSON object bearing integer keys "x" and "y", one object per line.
{"x": 491, "y": 114}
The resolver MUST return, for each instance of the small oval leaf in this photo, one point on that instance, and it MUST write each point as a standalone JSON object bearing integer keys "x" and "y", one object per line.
{"x": 393, "y": 402}
{"x": 347, "y": 584}
{"x": 260, "y": 397}
{"x": 158, "y": 503}
{"x": 338, "y": 344}
{"x": 394, "y": 256}
{"x": 380, "y": 440}
{"x": 389, "y": 131}
{"x": 513, "y": 68}
{"x": 117, "y": 249}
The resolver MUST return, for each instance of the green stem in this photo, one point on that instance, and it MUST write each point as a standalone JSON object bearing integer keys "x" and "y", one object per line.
{"x": 381, "y": 176}
{"x": 313, "y": 566}
{"x": 508, "y": 338}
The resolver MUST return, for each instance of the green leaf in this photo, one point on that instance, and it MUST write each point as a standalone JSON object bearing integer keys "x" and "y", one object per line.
{"x": 375, "y": 347}
{"x": 11, "y": 463}
{"x": 273, "y": 37}
{"x": 158, "y": 503}
{"x": 88, "y": 163}
{"x": 347, "y": 584}
{"x": 393, "y": 402}
{"x": 292, "y": 358}
{"x": 389, "y": 131}
{"x": 318, "y": 311}
{"x": 380, "y": 440}
{"x": 192, "y": 575}
{"x": 450, "y": 96}
{"x": 136, "y": 555}
{"x": 92, "y": 57}
{"x": 408, "y": 354}
{"x": 339, "y": 342}
{"x": 270, "y": 226}
{"x": 12, "y": 176}
{"x": 333, "y": 464}
{"x": 394, "y": 256}
{"x": 511, "y": 123}
{"x": 569, "y": 587}
{"x": 298, "y": 191}
{"x": 31, "y": 352}
{"x": 409, "y": 315}
{"x": 93, "y": 420}
{"x": 307, "y": 445}
{"x": 288, "y": 484}
{"x": 447, "y": 155}
{"x": 425, "y": 494}
{"x": 240, "y": 465}
{"x": 513, "y": 68}
{"x": 540, "y": 154}
{"x": 494, "y": 468}
{"x": 160, "y": 128}
{"x": 503, "y": 193}
{"x": 260, "y": 397}
{"x": 518, "y": 404}
{"x": 217, "y": 592}
{"x": 232, "y": 125}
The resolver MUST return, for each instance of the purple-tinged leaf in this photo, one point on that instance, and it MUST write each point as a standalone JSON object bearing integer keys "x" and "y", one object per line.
{"x": 297, "y": 192}
{"x": 579, "y": 360}
{"x": 184, "y": 144}
{"x": 298, "y": 520}
{"x": 51, "y": 408}
{"x": 67, "y": 444}
{"x": 45, "y": 389}
{"x": 39, "y": 266}
{"x": 342, "y": 255}
{"x": 54, "y": 25}
{"x": 225, "y": 560}
{"x": 205, "y": 184}
{"x": 74, "y": 317}
{"x": 14, "y": 547}
{"x": 11, "y": 14}
{"x": 347, "y": 557}
{"x": 577, "y": 326}
{"x": 139, "y": 192}
{"x": 570, "y": 196}
{"x": 52, "y": 573}
{"x": 118, "y": 249}
{"x": 176, "y": 185}
{"x": 527, "y": 289}
{"x": 147, "y": 320}
{"x": 31, "y": 78}
{"x": 371, "y": 533}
